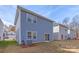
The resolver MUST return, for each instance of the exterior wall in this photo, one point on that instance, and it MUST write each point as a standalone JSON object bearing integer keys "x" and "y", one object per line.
{"x": 59, "y": 31}
{"x": 1, "y": 31}
{"x": 63, "y": 31}
{"x": 18, "y": 29}
{"x": 5, "y": 32}
{"x": 56, "y": 29}
{"x": 56, "y": 32}
{"x": 41, "y": 27}
{"x": 56, "y": 36}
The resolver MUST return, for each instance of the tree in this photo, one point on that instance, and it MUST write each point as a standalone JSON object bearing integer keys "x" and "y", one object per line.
{"x": 66, "y": 21}
{"x": 75, "y": 24}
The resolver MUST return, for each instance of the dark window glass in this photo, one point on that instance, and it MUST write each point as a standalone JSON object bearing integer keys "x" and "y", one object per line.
{"x": 34, "y": 35}
{"x": 29, "y": 20}
{"x": 29, "y": 35}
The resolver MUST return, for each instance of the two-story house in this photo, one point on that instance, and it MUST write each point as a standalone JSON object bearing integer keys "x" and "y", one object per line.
{"x": 32, "y": 26}
{"x": 60, "y": 32}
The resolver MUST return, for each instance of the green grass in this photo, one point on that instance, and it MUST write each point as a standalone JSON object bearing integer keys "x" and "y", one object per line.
{"x": 7, "y": 43}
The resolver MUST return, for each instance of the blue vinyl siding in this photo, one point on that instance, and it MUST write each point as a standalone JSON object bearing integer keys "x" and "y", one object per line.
{"x": 41, "y": 27}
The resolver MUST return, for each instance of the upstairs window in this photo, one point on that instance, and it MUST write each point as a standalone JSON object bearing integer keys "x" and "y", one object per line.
{"x": 29, "y": 20}
{"x": 34, "y": 21}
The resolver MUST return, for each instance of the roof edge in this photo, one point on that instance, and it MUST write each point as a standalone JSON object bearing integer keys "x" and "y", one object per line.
{"x": 31, "y": 12}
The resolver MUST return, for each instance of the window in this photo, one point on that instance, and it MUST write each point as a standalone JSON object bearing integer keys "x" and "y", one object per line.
{"x": 68, "y": 31}
{"x": 65, "y": 29}
{"x": 46, "y": 36}
{"x": 62, "y": 36}
{"x": 34, "y": 35}
{"x": 34, "y": 21}
{"x": 29, "y": 35}
{"x": 29, "y": 20}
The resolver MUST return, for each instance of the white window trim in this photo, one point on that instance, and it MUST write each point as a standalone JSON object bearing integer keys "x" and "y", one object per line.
{"x": 27, "y": 35}
{"x": 35, "y": 19}
{"x": 32, "y": 20}
{"x": 32, "y": 34}
{"x": 27, "y": 15}
{"x": 44, "y": 35}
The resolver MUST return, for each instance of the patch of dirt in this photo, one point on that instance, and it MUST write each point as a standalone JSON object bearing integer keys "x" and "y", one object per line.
{"x": 71, "y": 50}
{"x": 35, "y": 49}
{"x": 45, "y": 47}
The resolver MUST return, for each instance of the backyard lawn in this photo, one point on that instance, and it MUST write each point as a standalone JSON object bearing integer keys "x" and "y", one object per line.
{"x": 7, "y": 43}
{"x": 44, "y": 47}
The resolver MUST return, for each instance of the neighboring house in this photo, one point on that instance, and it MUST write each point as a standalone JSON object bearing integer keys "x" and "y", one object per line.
{"x": 32, "y": 26}
{"x": 11, "y": 35}
{"x": 1, "y": 29}
{"x": 71, "y": 34}
{"x": 60, "y": 32}
{"x": 9, "y": 32}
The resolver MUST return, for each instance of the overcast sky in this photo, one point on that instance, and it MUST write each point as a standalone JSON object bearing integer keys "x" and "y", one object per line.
{"x": 53, "y": 12}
